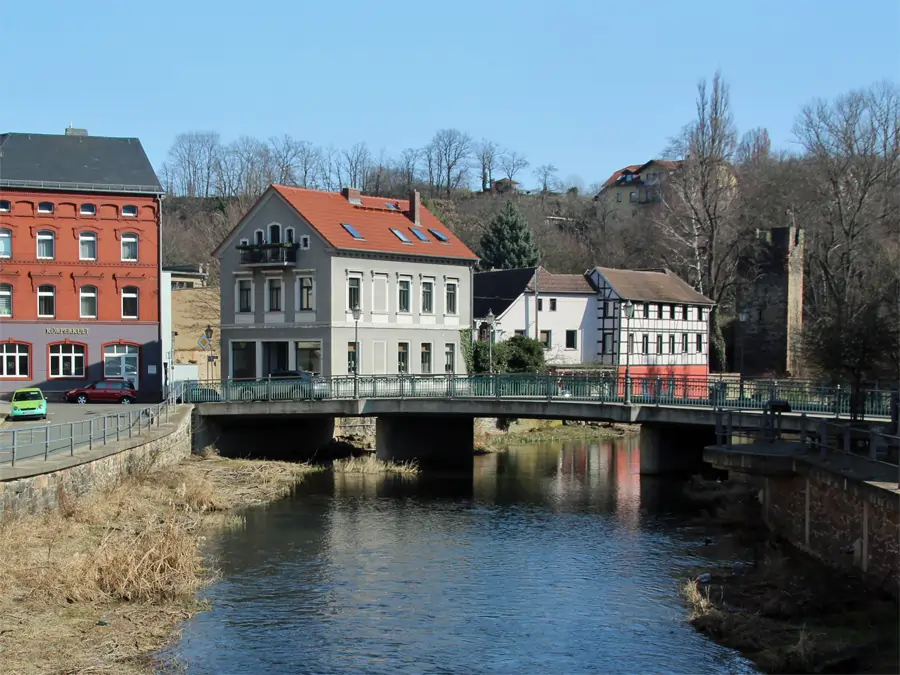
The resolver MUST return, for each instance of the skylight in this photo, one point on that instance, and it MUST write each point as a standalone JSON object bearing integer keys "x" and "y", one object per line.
{"x": 353, "y": 232}
{"x": 419, "y": 234}
{"x": 441, "y": 237}
{"x": 402, "y": 237}
{"x": 392, "y": 207}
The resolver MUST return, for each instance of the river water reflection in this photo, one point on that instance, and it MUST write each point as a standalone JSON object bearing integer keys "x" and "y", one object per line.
{"x": 552, "y": 558}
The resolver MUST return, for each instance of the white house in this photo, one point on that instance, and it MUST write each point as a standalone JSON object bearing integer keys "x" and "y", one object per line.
{"x": 667, "y": 329}
{"x": 559, "y": 310}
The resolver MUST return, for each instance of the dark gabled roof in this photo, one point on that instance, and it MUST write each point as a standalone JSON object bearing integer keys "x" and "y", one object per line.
{"x": 497, "y": 290}
{"x": 77, "y": 163}
{"x": 660, "y": 285}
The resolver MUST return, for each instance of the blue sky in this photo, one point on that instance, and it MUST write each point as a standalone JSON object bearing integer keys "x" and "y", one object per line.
{"x": 589, "y": 86}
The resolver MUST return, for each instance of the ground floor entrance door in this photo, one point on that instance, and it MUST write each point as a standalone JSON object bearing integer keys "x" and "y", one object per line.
{"x": 122, "y": 362}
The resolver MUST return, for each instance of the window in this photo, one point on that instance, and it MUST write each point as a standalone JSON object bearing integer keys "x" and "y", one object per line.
{"x": 440, "y": 236}
{"x": 66, "y": 360}
{"x": 449, "y": 358}
{"x": 520, "y": 333}
{"x": 645, "y": 344}
{"x": 274, "y": 233}
{"x": 14, "y": 359}
{"x": 426, "y": 359}
{"x": 46, "y": 245}
{"x": 46, "y": 300}
{"x": 607, "y": 343}
{"x": 45, "y": 207}
{"x": 89, "y": 209}
{"x": 630, "y": 345}
{"x": 672, "y": 343}
{"x": 684, "y": 343}
{"x": 552, "y": 304}
{"x": 243, "y": 360}
{"x": 632, "y": 196}
{"x": 352, "y": 231}
{"x": 659, "y": 343}
{"x": 129, "y": 247}
{"x": 403, "y": 357}
{"x": 403, "y": 295}
{"x": 545, "y": 339}
{"x": 402, "y": 237}
{"x": 699, "y": 343}
{"x": 700, "y": 314}
{"x": 260, "y": 237}
{"x": 618, "y": 196}
{"x": 354, "y": 297}
{"x": 646, "y": 310}
{"x": 245, "y": 242}
{"x": 304, "y": 242}
{"x": 129, "y": 211}
{"x": 427, "y": 297}
{"x": 130, "y": 302}
{"x": 391, "y": 207}
{"x": 351, "y": 357}
{"x": 273, "y": 284}
{"x": 87, "y": 246}
{"x": 245, "y": 295}
{"x": 659, "y": 311}
{"x": 671, "y": 311}
{"x": 5, "y": 300}
{"x": 540, "y": 304}
{"x": 684, "y": 313}
{"x": 450, "y": 307}
{"x": 289, "y": 235}
{"x": 305, "y": 296}
{"x": 5, "y": 206}
{"x": 87, "y": 302}
{"x": 5, "y": 244}
{"x": 419, "y": 234}
{"x": 571, "y": 339}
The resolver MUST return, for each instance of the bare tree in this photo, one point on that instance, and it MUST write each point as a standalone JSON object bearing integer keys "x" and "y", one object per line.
{"x": 512, "y": 163}
{"x": 487, "y": 153}
{"x": 408, "y": 166}
{"x": 354, "y": 166}
{"x": 451, "y": 151}
{"x": 546, "y": 175}
{"x": 308, "y": 165}
{"x": 191, "y": 164}
{"x": 755, "y": 147}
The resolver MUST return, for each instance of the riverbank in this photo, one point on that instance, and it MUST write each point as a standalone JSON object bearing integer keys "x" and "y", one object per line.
{"x": 497, "y": 435}
{"x": 787, "y": 612}
{"x": 104, "y": 582}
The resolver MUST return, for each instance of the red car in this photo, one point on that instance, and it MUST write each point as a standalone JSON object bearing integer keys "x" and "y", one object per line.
{"x": 104, "y": 391}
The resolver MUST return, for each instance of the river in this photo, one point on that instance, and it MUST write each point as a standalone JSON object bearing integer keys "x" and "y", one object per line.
{"x": 552, "y": 558}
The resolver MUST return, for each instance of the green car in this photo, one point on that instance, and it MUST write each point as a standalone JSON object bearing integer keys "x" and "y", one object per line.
{"x": 28, "y": 403}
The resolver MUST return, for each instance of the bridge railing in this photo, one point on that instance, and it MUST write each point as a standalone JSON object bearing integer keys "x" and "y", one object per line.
{"x": 800, "y": 396}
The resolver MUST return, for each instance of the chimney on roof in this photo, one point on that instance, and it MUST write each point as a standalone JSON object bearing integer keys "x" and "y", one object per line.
{"x": 415, "y": 207}
{"x": 70, "y": 131}
{"x": 352, "y": 195}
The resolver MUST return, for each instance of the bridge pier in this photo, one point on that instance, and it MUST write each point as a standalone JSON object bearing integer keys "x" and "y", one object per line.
{"x": 673, "y": 448}
{"x": 438, "y": 442}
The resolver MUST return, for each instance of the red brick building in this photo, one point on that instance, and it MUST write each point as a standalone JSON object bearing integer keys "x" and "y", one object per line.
{"x": 79, "y": 262}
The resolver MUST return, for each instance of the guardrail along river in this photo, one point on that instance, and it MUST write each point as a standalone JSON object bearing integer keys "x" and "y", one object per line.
{"x": 552, "y": 558}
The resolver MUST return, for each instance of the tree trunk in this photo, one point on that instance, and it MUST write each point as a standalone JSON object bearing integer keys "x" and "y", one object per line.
{"x": 717, "y": 353}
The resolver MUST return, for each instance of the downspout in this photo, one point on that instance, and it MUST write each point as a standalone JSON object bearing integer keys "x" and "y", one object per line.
{"x": 159, "y": 301}
{"x": 537, "y": 313}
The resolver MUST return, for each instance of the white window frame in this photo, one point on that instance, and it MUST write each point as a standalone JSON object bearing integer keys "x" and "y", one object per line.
{"x": 63, "y": 356}
{"x": 44, "y": 294}
{"x": 137, "y": 298}
{"x": 85, "y": 235}
{"x": 298, "y": 293}
{"x": 304, "y": 242}
{"x": 129, "y": 237}
{"x": 268, "y": 304}
{"x": 359, "y": 277}
{"x": 432, "y": 282}
{"x": 575, "y": 331}
{"x": 45, "y": 210}
{"x": 430, "y": 357}
{"x": 454, "y": 283}
{"x": 87, "y": 210}
{"x": 129, "y": 215}
{"x": 290, "y": 235}
{"x": 3, "y": 360}
{"x": 244, "y": 242}
{"x": 450, "y": 348}
{"x": 237, "y": 295}
{"x": 400, "y": 280}
{"x": 6, "y": 234}
{"x": 7, "y": 290}
{"x": 82, "y": 294}
{"x": 403, "y": 342}
{"x": 45, "y": 235}
{"x": 269, "y": 233}
{"x": 259, "y": 237}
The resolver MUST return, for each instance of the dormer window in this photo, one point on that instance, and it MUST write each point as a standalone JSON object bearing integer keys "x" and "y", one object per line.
{"x": 45, "y": 207}
{"x": 88, "y": 209}
{"x": 129, "y": 211}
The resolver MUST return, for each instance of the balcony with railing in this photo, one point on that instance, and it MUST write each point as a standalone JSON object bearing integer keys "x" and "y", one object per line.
{"x": 268, "y": 255}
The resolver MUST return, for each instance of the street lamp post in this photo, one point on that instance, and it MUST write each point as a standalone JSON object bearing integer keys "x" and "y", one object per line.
{"x": 209, "y": 335}
{"x": 356, "y": 314}
{"x": 743, "y": 316}
{"x": 490, "y": 322}
{"x": 627, "y": 312}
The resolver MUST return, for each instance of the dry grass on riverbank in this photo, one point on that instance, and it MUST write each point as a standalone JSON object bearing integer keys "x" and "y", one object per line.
{"x": 99, "y": 584}
{"x": 789, "y": 614}
{"x": 372, "y": 465}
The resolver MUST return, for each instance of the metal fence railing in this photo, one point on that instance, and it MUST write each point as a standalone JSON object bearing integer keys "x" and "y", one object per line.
{"x": 799, "y": 396}
{"x": 52, "y": 440}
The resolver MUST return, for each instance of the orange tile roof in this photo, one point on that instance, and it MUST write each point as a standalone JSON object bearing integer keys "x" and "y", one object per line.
{"x": 618, "y": 174}
{"x": 326, "y": 211}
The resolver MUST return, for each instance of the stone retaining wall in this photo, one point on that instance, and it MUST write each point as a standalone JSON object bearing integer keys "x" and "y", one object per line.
{"x": 70, "y": 477}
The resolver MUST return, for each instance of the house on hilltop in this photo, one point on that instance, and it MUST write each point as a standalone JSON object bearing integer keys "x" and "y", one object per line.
{"x": 636, "y": 187}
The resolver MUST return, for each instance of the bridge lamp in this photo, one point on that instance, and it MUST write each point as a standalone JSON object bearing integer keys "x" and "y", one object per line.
{"x": 628, "y": 311}
{"x": 356, "y": 314}
{"x": 208, "y": 333}
{"x": 743, "y": 317}
{"x": 490, "y": 320}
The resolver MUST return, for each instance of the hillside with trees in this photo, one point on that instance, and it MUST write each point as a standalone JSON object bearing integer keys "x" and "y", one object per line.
{"x": 841, "y": 184}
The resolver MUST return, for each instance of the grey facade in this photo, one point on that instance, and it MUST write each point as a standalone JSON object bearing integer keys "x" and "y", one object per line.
{"x": 309, "y": 325}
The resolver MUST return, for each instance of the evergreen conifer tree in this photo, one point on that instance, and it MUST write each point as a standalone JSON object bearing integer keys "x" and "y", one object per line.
{"x": 507, "y": 244}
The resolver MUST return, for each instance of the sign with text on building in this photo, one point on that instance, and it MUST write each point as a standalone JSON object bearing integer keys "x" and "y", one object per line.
{"x": 67, "y": 331}
{"x": 203, "y": 342}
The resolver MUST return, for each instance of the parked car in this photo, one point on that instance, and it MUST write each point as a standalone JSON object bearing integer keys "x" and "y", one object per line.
{"x": 284, "y": 385}
{"x": 28, "y": 403}
{"x": 103, "y": 391}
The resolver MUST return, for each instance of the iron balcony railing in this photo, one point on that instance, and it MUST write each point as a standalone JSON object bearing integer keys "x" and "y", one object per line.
{"x": 702, "y": 392}
{"x": 268, "y": 254}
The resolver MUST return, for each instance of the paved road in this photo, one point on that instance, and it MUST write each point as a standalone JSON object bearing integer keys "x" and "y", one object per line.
{"x": 35, "y": 438}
